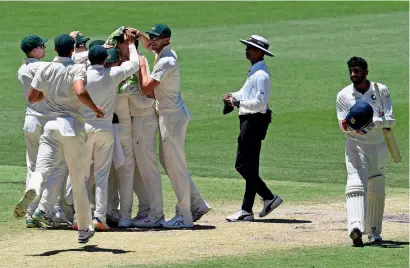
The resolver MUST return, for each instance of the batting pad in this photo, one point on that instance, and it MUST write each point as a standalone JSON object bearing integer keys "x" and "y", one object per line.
{"x": 355, "y": 205}
{"x": 376, "y": 196}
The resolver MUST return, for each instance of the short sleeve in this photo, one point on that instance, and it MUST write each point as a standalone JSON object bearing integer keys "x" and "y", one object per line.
{"x": 163, "y": 68}
{"x": 37, "y": 82}
{"x": 79, "y": 72}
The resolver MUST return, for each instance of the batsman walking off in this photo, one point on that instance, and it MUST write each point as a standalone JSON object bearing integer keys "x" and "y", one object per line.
{"x": 364, "y": 109}
{"x": 255, "y": 117}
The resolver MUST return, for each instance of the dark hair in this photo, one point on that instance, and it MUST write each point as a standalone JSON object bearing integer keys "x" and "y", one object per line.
{"x": 357, "y": 62}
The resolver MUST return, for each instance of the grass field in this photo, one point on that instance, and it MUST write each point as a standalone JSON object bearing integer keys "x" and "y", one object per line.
{"x": 302, "y": 156}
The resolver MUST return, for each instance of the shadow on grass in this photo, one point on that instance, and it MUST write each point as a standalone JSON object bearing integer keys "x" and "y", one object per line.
{"x": 138, "y": 230}
{"x": 88, "y": 248}
{"x": 387, "y": 244}
{"x": 289, "y": 221}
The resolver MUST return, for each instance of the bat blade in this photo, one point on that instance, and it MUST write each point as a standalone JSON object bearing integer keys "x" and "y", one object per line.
{"x": 392, "y": 145}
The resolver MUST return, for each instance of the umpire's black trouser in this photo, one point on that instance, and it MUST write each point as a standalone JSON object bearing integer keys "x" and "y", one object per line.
{"x": 253, "y": 128}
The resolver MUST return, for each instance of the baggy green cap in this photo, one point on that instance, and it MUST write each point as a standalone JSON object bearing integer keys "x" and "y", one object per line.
{"x": 112, "y": 55}
{"x": 97, "y": 54}
{"x": 31, "y": 42}
{"x": 96, "y": 43}
{"x": 160, "y": 30}
{"x": 64, "y": 43}
{"x": 80, "y": 39}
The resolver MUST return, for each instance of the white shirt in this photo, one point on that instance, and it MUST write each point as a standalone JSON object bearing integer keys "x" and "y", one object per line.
{"x": 254, "y": 94}
{"x": 166, "y": 71}
{"x": 55, "y": 79}
{"x": 348, "y": 96}
{"x": 102, "y": 85}
{"x": 81, "y": 58}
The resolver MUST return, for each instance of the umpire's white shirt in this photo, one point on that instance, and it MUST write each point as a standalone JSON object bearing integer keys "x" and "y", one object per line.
{"x": 348, "y": 96}
{"x": 102, "y": 85}
{"x": 254, "y": 94}
{"x": 35, "y": 112}
{"x": 55, "y": 79}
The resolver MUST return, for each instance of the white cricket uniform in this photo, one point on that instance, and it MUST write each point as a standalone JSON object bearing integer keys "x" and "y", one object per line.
{"x": 173, "y": 124}
{"x": 147, "y": 177}
{"x": 65, "y": 136}
{"x": 365, "y": 158}
{"x": 36, "y": 117}
{"x": 102, "y": 84}
{"x": 81, "y": 58}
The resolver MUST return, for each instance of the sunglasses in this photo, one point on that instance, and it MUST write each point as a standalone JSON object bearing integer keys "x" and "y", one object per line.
{"x": 42, "y": 46}
{"x": 154, "y": 37}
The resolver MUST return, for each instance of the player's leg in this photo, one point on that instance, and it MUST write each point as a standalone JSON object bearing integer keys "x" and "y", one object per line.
{"x": 75, "y": 153}
{"x": 49, "y": 147}
{"x": 376, "y": 192}
{"x": 103, "y": 149}
{"x": 357, "y": 169}
{"x": 173, "y": 155}
{"x": 32, "y": 144}
{"x": 113, "y": 203}
{"x": 147, "y": 185}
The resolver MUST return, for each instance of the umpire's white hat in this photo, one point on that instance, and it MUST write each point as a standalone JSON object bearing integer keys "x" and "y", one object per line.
{"x": 258, "y": 42}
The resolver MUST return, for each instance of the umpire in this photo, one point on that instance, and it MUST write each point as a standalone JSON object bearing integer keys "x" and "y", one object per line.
{"x": 254, "y": 117}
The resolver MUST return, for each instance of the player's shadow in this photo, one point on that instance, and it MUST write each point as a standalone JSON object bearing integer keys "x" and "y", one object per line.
{"x": 88, "y": 248}
{"x": 138, "y": 230}
{"x": 387, "y": 244}
{"x": 288, "y": 221}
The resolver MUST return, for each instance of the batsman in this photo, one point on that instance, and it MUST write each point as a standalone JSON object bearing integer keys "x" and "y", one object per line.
{"x": 365, "y": 115}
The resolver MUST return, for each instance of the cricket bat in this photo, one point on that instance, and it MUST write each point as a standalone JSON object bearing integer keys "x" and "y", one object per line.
{"x": 388, "y": 135}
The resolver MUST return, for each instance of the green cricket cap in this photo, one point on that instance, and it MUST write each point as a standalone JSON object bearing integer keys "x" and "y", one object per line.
{"x": 31, "y": 42}
{"x": 64, "y": 43}
{"x": 97, "y": 54}
{"x": 81, "y": 39}
{"x": 160, "y": 30}
{"x": 112, "y": 55}
{"x": 96, "y": 43}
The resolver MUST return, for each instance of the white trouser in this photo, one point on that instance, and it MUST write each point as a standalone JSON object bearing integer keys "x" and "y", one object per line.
{"x": 56, "y": 176}
{"x": 53, "y": 147}
{"x": 126, "y": 171}
{"x": 99, "y": 150}
{"x": 173, "y": 128}
{"x": 363, "y": 162}
{"x": 113, "y": 202}
{"x": 147, "y": 180}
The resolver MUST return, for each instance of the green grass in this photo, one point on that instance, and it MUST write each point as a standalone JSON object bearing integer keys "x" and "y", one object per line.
{"x": 303, "y": 154}
{"x": 394, "y": 255}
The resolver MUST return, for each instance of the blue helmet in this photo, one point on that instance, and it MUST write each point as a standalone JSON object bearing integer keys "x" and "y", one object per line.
{"x": 360, "y": 115}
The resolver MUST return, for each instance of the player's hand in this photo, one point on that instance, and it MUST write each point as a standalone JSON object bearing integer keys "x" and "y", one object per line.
{"x": 73, "y": 34}
{"x": 227, "y": 99}
{"x": 100, "y": 112}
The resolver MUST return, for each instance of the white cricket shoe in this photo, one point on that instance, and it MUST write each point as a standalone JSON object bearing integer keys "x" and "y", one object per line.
{"x": 125, "y": 223}
{"x": 270, "y": 205}
{"x": 21, "y": 208}
{"x": 60, "y": 218}
{"x": 149, "y": 222}
{"x": 200, "y": 211}
{"x": 177, "y": 222}
{"x": 374, "y": 237}
{"x": 85, "y": 235}
{"x": 240, "y": 215}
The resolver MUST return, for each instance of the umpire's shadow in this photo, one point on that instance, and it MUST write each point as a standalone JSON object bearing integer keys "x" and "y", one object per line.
{"x": 387, "y": 244}
{"x": 88, "y": 248}
{"x": 195, "y": 228}
{"x": 288, "y": 221}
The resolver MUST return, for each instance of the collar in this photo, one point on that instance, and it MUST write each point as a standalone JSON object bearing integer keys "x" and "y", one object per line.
{"x": 30, "y": 60}
{"x": 97, "y": 66}
{"x": 62, "y": 59}
{"x": 257, "y": 66}
{"x": 164, "y": 49}
{"x": 357, "y": 92}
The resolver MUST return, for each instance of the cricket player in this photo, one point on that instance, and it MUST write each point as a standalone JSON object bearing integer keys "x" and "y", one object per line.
{"x": 164, "y": 83}
{"x": 365, "y": 151}
{"x": 254, "y": 117}
{"x": 36, "y": 116}
{"x": 80, "y": 54}
{"x": 102, "y": 85}
{"x": 61, "y": 83}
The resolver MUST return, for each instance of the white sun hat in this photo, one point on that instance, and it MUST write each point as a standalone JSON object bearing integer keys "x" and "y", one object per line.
{"x": 258, "y": 42}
